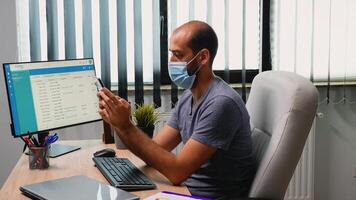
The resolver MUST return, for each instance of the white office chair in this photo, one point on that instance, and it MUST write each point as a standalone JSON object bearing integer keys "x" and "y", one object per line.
{"x": 282, "y": 106}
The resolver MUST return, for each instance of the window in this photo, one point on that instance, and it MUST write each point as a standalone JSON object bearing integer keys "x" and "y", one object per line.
{"x": 315, "y": 38}
{"x": 226, "y": 18}
{"x": 61, "y": 29}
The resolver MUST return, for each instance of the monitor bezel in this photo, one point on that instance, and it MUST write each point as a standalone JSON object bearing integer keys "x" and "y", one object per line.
{"x": 47, "y": 130}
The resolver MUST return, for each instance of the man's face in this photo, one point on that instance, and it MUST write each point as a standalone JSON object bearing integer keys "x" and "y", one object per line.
{"x": 179, "y": 50}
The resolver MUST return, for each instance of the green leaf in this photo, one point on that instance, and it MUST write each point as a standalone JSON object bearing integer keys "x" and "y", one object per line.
{"x": 145, "y": 115}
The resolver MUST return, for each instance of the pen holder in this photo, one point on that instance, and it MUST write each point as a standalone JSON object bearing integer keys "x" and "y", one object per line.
{"x": 38, "y": 157}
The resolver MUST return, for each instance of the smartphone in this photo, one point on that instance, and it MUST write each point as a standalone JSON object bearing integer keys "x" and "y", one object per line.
{"x": 99, "y": 84}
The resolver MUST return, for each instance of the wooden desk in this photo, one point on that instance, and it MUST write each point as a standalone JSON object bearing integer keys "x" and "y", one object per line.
{"x": 78, "y": 163}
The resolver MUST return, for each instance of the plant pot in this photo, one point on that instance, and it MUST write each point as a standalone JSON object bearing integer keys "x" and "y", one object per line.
{"x": 148, "y": 130}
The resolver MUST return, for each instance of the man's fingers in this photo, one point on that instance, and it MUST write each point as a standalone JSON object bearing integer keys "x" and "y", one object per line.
{"x": 110, "y": 95}
{"x": 105, "y": 105}
{"x": 111, "y": 99}
{"x": 99, "y": 95}
{"x": 107, "y": 101}
{"x": 125, "y": 103}
{"x": 104, "y": 114}
{"x": 102, "y": 104}
{"x": 122, "y": 101}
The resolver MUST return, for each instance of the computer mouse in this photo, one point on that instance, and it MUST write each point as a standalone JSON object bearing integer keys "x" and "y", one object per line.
{"x": 105, "y": 153}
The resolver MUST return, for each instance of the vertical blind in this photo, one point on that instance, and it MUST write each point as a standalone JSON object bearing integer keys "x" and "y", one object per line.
{"x": 315, "y": 39}
{"x": 125, "y": 37}
{"x": 228, "y": 18}
{"x": 239, "y": 41}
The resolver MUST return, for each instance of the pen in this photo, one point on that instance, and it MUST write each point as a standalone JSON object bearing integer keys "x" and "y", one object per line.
{"x": 28, "y": 141}
{"x": 24, "y": 147}
{"x": 33, "y": 139}
{"x": 50, "y": 139}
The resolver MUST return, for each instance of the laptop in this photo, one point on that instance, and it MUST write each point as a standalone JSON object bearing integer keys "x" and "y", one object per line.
{"x": 75, "y": 187}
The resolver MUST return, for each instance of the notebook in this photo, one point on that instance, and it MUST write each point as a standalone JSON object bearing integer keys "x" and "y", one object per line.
{"x": 75, "y": 187}
{"x": 173, "y": 196}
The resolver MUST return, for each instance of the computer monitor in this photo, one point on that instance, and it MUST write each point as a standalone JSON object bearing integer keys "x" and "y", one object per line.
{"x": 50, "y": 95}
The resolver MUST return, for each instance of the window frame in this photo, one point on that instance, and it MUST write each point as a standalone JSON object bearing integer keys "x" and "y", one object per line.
{"x": 235, "y": 76}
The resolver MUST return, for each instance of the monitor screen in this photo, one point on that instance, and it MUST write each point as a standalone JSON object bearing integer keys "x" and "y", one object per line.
{"x": 44, "y": 96}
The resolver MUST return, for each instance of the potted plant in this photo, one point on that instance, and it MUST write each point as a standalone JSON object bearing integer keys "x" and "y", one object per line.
{"x": 145, "y": 116}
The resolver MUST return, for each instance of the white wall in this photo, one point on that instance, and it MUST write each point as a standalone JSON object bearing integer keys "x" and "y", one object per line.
{"x": 10, "y": 149}
{"x": 335, "y": 148}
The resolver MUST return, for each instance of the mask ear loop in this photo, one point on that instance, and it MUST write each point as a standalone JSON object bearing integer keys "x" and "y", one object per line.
{"x": 196, "y": 71}
{"x": 193, "y": 58}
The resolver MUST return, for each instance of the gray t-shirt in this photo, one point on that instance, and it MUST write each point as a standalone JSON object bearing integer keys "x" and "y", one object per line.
{"x": 218, "y": 119}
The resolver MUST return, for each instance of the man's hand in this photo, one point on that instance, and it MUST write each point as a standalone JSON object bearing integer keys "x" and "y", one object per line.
{"x": 114, "y": 110}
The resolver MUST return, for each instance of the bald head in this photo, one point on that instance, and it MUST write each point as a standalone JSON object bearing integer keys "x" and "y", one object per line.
{"x": 201, "y": 36}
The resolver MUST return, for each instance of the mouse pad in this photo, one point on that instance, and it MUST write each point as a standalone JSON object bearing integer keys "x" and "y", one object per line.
{"x": 75, "y": 187}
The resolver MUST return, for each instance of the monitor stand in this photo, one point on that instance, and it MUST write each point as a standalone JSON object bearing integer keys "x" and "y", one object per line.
{"x": 61, "y": 149}
{"x": 56, "y": 149}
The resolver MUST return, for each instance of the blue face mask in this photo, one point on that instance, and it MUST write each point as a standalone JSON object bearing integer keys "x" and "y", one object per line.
{"x": 179, "y": 74}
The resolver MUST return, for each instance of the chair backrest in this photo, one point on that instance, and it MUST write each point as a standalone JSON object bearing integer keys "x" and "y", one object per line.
{"x": 282, "y": 107}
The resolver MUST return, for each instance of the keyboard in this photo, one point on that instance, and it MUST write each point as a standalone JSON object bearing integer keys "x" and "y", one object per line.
{"x": 121, "y": 173}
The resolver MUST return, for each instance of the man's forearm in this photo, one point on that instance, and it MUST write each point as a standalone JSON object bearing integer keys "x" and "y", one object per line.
{"x": 148, "y": 151}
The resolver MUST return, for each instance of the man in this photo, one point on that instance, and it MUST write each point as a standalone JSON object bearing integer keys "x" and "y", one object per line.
{"x": 210, "y": 119}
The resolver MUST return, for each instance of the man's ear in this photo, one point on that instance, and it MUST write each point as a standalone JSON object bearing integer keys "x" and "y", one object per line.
{"x": 205, "y": 56}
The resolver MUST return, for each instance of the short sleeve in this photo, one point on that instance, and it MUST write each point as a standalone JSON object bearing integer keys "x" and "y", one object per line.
{"x": 173, "y": 120}
{"x": 218, "y": 123}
